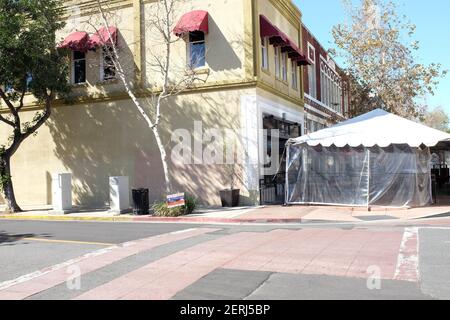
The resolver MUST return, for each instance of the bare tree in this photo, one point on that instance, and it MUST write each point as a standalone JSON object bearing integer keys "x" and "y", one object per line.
{"x": 162, "y": 21}
{"x": 437, "y": 118}
{"x": 381, "y": 59}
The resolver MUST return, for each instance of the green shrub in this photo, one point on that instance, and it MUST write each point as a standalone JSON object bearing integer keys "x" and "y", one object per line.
{"x": 161, "y": 210}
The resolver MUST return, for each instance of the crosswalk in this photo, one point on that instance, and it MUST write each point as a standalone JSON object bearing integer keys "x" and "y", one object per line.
{"x": 315, "y": 251}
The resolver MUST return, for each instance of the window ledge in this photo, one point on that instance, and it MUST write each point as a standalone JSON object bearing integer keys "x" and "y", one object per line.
{"x": 202, "y": 70}
{"x": 79, "y": 85}
{"x": 286, "y": 83}
{"x": 108, "y": 81}
{"x": 266, "y": 71}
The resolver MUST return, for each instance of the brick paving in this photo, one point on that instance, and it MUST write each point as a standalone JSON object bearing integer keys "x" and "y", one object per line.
{"x": 55, "y": 275}
{"x": 331, "y": 252}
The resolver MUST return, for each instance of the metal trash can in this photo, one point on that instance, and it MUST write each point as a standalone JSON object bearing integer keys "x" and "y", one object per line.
{"x": 141, "y": 202}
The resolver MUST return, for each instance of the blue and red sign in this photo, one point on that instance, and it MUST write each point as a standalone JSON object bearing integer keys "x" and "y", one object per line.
{"x": 176, "y": 200}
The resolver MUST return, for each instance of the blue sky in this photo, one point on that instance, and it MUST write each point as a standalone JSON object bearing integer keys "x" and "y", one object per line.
{"x": 433, "y": 28}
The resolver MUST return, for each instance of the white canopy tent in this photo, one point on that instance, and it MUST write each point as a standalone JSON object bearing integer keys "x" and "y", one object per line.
{"x": 377, "y": 159}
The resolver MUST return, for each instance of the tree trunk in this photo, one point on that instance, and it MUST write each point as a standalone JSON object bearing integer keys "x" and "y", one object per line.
{"x": 7, "y": 185}
{"x": 163, "y": 159}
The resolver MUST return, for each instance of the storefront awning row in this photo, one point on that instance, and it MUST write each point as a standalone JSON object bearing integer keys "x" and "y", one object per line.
{"x": 81, "y": 41}
{"x": 278, "y": 38}
{"x": 196, "y": 20}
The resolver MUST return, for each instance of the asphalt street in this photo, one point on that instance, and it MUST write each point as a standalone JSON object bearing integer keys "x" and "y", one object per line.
{"x": 299, "y": 262}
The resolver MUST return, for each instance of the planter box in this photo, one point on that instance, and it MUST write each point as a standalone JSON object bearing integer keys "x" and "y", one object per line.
{"x": 230, "y": 198}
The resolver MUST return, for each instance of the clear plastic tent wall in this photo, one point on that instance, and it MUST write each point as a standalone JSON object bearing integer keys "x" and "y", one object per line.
{"x": 396, "y": 176}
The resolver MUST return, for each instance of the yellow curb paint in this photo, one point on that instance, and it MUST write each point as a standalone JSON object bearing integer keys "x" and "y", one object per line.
{"x": 70, "y": 241}
{"x": 113, "y": 219}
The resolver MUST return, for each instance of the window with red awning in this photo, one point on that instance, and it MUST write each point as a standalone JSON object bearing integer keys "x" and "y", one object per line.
{"x": 196, "y": 20}
{"x": 81, "y": 41}
{"x": 76, "y": 41}
{"x": 278, "y": 38}
{"x": 104, "y": 37}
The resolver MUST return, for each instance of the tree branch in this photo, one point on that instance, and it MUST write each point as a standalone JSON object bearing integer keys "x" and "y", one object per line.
{"x": 119, "y": 68}
{"x": 8, "y": 122}
{"x": 41, "y": 120}
{"x": 22, "y": 96}
{"x": 11, "y": 108}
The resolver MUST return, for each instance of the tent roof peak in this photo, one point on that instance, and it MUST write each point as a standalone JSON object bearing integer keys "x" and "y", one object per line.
{"x": 375, "y": 128}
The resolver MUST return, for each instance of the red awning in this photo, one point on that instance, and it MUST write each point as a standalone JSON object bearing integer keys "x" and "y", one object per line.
{"x": 271, "y": 31}
{"x": 192, "y": 21}
{"x": 102, "y": 37}
{"x": 278, "y": 38}
{"x": 302, "y": 61}
{"x": 76, "y": 41}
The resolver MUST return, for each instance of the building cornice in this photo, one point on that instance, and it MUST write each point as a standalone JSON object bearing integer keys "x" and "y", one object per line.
{"x": 89, "y": 7}
{"x": 143, "y": 93}
{"x": 289, "y": 10}
{"x": 140, "y": 93}
{"x": 297, "y": 101}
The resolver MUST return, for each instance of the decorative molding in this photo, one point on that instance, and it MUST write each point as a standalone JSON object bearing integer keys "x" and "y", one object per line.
{"x": 89, "y": 7}
{"x": 137, "y": 42}
{"x": 309, "y": 108}
{"x": 250, "y": 41}
{"x": 322, "y": 105}
{"x": 141, "y": 93}
{"x": 289, "y": 10}
{"x": 297, "y": 101}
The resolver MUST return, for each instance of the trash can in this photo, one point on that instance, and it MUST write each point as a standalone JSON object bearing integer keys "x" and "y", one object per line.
{"x": 433, "y": 189}
{"x": 140, "y": 201}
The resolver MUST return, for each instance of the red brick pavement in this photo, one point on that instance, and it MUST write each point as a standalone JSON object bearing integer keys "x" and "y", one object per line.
{"x": 336, "y": 252}
{"x": 314, "y": 251}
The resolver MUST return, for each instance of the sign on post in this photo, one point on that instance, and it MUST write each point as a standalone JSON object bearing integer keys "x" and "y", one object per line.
{"x": 175, "y": 200}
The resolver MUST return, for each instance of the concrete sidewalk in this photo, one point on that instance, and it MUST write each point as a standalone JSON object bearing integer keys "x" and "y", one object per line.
{"x": 262, "y": 214}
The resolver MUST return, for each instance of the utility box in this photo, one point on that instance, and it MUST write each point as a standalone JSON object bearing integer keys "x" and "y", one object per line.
{"x": 62, "y": 192}
{"x": 119, "y": 194}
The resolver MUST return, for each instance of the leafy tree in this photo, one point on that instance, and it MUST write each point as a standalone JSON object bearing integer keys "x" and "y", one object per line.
{"x": 437, "y": 119}
{"x": 30, "y": 67}
{"x": 381, "y": 60}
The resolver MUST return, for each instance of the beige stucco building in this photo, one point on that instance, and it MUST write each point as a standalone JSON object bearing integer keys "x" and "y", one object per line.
{"x": 251, "y": 83}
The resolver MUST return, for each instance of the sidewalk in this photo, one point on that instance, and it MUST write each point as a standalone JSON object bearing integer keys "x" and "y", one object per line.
{"x": 263, "y": 214}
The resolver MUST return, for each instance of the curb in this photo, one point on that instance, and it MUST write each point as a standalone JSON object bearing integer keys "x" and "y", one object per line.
{"x": 61, "y": 218}
{"x": 152, "y": 219}
{"x": 213, "y": 220}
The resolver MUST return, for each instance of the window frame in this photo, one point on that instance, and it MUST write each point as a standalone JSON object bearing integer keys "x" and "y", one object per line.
{"x": 294, "y": 75}
{"x": 284, "y": 66}
{"x": 331, "y": 87}
{"x": 73, "y": 67}
{"x": 102, "y": 65}
{"x": 277, "y": 58}
{"x": 265, "y": 53}
{"x": 312, "y": 80}
{"x": 189, "y": 52}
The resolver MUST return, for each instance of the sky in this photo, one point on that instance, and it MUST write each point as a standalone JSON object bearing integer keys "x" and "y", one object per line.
{"x": 433, "y": 28}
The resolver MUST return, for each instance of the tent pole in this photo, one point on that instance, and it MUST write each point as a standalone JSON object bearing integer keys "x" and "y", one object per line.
{"x": 286, "y": 177}
{"x": 368, "y": 180}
